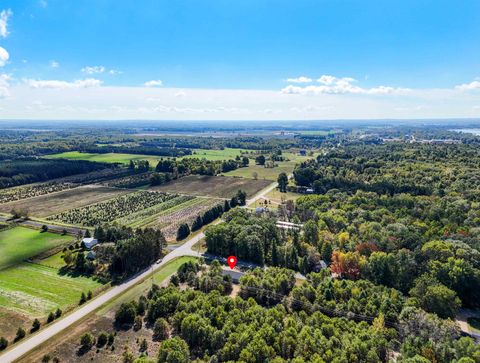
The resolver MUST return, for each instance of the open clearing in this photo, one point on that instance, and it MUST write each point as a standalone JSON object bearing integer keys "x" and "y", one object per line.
{"x": 225, "y": 154}
{"x": 261, "y": 172}
{"x": 19, "y": 243}
{"x": 213, "y": 186}
{"x": 29, "y": 291}
{"x": 106, "y": 158}
{"x": 49, "y": 204}
{"x": 66, "y": 347}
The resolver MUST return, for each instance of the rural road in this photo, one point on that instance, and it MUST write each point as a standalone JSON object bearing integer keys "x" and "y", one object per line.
{"x": 20, "y": 349}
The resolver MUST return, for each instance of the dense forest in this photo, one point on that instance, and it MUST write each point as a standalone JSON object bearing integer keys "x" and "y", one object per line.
{"x": 24, "y": 171}
{"x": 272, "y": 320}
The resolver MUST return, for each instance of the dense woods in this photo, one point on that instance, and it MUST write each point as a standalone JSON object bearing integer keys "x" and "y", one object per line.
{"x": 18, "y": 172}
{"x": 274, "y": 321}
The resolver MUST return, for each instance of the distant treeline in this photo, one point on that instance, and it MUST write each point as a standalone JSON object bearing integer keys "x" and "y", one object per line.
{"x": 24, "y": 171}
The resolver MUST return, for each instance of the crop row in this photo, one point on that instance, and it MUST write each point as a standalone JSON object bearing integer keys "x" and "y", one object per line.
{"x": 130, "y": 181}
{"x": 108, "y": 211}
{"x": 148, "y": 215}
{"x": 169, "y": 221}
{"x": 34, "y": 190}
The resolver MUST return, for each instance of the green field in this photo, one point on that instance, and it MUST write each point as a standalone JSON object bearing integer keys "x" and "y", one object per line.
{"x": 19, "y": 243}
{"x": 35, "y": 290}
{"x": 106, "y": 158}
{"x": 225, "y": 154}
{"x": 260, "y": 172}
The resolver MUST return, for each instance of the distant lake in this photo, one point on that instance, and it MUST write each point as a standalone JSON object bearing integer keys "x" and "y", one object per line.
{"x": 468, "y": 131}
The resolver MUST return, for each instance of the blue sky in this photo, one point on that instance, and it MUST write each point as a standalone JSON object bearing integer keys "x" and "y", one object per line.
{"x": 401, "y": 58}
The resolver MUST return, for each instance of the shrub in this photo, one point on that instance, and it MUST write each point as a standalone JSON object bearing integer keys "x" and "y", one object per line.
{"x": 3, "y": 343}
{"x": 20, "y": 334}
{"x": 161, "y": 329}
{"x": 87, "y": 341}
{"x": 102, "y": 339}
{"x": 51, "y": 317}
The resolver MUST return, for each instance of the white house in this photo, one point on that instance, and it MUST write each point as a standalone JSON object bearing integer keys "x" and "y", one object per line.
{"x": 88, "y": 243}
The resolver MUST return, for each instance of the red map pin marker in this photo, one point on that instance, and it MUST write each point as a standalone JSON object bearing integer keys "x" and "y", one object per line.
{"x": 232, "y": 261}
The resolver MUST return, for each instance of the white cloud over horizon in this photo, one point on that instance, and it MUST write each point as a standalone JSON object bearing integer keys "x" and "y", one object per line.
{"x": 344, "y": 85}
{"x": 474, "y": 85}
{"x": 4, "y": 15}
{"x": 57, "y": 84}
{"x": 88, "y": 99}
{"x": 330, "y": 98}
{"x": 301, "y": 79}
{"x": 153, "y": 83}
{"x": 4, "y": 56}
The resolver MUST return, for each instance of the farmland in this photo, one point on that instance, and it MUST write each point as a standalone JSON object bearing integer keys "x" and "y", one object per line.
{"x": 29, "y": 290}
{"x": 106, "y": 158}
{"x": 148, "y": 215}
{"x": 48, "y": 204}
{"x": 108, "y": 211}
{"x": 18, "y": 244}
{"x": 169, "y": 220}
{"x": 253, "y": 171}
{"x": 213, "y": 186}
{"x": 225, "y": 154}
{"x": 29, "y": 191}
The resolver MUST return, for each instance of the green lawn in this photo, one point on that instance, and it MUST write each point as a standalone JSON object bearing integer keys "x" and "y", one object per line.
{"x": 19, "y": 243}
{"x": 225, "y": 154}
{"x": 269, "y": 173}
{"x": 35, "y": 290}
{"x": 106, "y": 158}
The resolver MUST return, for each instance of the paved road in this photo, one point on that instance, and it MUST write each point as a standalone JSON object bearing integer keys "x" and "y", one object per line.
{"x": 28, "y": 344}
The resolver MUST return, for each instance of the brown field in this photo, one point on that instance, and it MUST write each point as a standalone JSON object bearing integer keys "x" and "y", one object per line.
{"x": 49, "y": 204}
{"x": 213, "y": 186}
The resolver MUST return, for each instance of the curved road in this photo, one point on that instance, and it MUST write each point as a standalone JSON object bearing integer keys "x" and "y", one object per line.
{"x": 20, "y": 349}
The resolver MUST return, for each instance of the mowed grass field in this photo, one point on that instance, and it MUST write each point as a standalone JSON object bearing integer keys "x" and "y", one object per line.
{"x": 19, "y": 243}
{"x": 106, "y": 158}
{"x": 35, "y": 290}
{"x": 48, "y": 204}
{"x": 225, "y": 154}
{"x": 261, "y": 172}
{"x": 213, "y": 186}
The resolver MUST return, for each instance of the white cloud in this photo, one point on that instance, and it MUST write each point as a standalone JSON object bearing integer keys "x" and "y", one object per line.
{"x": 468, "y": 86}
{"x": 93, "y": 69}
{"x": 3, "y": 56}
{"x": 54, "y": 64}
{"x": 301, "y": 79}
{"x": 114, "y": 72}
{"x": 4, "y": 15}
{"x": 43, "y": 3}
{"x": 180, "y": 94}
{"x": 153, "y": 83}
{"x": 4, "y": 85}
{"x": 344, "y": 85}
{"x": 56, "y": 84}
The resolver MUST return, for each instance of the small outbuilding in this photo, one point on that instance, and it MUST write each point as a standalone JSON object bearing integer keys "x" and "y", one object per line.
{"x": 88, "y": 243}
{"x": 91, "y": 255}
